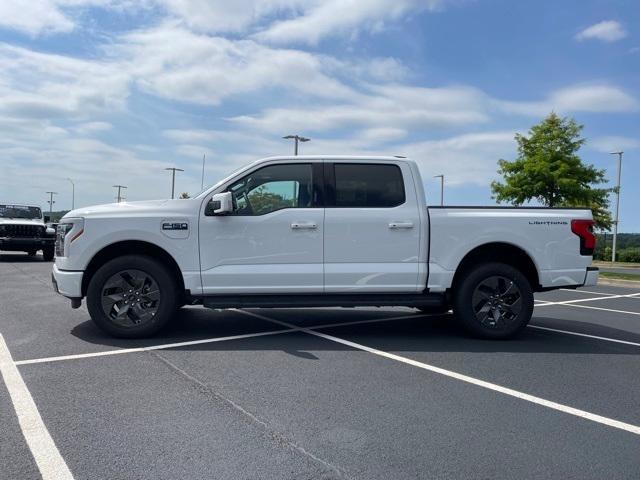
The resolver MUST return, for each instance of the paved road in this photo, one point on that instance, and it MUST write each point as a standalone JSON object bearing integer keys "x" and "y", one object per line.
{"x": 388, "y": 393}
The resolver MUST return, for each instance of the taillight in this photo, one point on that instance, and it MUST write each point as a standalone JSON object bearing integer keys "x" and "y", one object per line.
{"x": 584, "y": 229}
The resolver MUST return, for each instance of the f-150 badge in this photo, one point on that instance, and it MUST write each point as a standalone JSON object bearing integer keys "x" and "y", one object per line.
{"x": 175, "y": 226}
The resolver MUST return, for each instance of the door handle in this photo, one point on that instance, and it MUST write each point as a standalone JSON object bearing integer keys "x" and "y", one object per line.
{"x": 304, "y": 226}
{"x": 397, "y": 225}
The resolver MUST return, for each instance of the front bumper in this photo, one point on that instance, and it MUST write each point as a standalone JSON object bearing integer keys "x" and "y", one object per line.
{"x": 27, "y": 243}
{"x": 67, "y": 283}
{"x": 591, "y": 278}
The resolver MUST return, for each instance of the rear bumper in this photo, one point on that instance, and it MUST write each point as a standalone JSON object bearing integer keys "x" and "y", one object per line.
{"x": 67, "y": 283}
{"x": 591, "y": 278}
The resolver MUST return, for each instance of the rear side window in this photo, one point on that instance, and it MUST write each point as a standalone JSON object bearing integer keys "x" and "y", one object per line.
{"x": 368, "y": 185}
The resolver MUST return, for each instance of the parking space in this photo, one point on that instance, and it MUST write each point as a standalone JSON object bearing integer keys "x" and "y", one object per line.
{"x": 325, "y": 393}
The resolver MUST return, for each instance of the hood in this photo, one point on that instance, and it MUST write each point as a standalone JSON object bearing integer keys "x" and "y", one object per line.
{"x": 126, "y": 208}
{"x": 21, "y": 221}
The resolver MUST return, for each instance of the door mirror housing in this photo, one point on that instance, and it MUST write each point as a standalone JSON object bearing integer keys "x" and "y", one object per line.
{"x": 220, "y": 204}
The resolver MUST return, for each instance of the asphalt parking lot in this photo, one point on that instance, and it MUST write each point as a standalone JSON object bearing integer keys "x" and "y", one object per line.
{"x": 318, "y": 393}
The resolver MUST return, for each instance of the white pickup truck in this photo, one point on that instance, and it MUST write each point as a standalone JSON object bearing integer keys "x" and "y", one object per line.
{"x": 311, "y": 231}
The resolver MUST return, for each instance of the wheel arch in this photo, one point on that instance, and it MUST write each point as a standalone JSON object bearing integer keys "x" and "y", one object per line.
{"x": 499, "y": 252}
{"x": 131, "y": 247}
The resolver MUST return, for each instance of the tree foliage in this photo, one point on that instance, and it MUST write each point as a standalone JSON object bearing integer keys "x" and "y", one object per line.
{"x": 263, "y": 201}
{"x": 184, "y": 195}
{"x": 549, "y": 170}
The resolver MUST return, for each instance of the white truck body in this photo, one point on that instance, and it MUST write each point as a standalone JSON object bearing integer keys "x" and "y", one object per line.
{"x": 323, "y": 248}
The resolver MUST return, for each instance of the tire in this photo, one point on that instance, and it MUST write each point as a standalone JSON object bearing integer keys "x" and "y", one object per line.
{"x": 493, "y": 300}
{"x": 48, "y": 253}
{"x": 141, "y": 286}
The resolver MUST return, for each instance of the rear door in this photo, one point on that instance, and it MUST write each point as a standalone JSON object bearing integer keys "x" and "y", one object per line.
{"x": 372, "y": 227}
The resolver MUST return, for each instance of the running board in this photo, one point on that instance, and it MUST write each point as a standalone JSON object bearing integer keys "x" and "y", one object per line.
{"x": 421, "y": 300}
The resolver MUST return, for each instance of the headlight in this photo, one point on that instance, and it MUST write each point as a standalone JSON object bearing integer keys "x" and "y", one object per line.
{"x": 68, "y": 230}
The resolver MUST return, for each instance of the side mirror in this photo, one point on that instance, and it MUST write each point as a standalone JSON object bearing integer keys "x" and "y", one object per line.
{"x": 220, "y": 204}
{"x": 47, "y": 219}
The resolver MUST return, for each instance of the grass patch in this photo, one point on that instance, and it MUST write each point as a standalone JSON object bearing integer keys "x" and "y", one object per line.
{"x": 620, "y": 276}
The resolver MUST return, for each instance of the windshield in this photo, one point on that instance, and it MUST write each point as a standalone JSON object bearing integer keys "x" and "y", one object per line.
{"x": 19, "y": 211}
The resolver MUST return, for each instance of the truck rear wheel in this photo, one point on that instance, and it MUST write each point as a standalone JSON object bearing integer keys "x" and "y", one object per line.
{"x": 132, "y": 296}
{"x": 493, "y": 300}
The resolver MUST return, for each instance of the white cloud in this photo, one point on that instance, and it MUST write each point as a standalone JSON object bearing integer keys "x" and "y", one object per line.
{"x": 92, "y": 127}
{"x": 34, "y": 17}
{"x": 613, "y": 143}
{"x": 331, "y": 17}
{"x": 468, "y": 158}
{"x": 194, "y": 135}
{"x": 175, "y": 63}
{"x": 381, "y": 106}
{"x": 41, "y": 17}
{"x": 228, "y": 16}
{"x": 607, "y": 31}
{"x": 576, "y": 98}
{"x": 46, "y": 86}
{"x": 193, "y": 151}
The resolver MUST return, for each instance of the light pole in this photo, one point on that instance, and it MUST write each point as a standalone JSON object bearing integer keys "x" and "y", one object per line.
{"x": 441, "y": 177}
{"x": 51, "y": 201}
{"x": 297, "y": 139}
{"x": 119, "y": 187}
{"x": 615, "y": 222}
{"x": 173, "y": 179}
{"x": 73, "y": 194}
{"x": 202, "y": 179}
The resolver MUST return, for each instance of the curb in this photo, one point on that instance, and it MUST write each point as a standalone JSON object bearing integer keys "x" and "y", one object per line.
{"x": 619, "y": 283}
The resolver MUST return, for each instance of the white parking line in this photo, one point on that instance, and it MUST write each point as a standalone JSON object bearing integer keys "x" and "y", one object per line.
{"x": 627, "y": 312}
{"x": 635, "y": 429}
{"x": 577, "y": 334}
{"x": 45, "y": 453}
{"x": 585, "y": 291}
{"x": 166, "y": 346}
{"x": 592, "y": 299}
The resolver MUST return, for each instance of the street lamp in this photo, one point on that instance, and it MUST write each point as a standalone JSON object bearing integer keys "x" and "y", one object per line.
{"x": 173, "y": 179}
{"x": 51, "y": 201}
{"x": 441, "y": 177}
{"x": 297, "y": 139}
{"x": 615, "y": 222}
{"x": 73, "y": 194}
{"x": 119, "y": 187}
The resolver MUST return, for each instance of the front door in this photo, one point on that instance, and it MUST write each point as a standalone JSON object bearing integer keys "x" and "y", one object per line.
{"x": 272, "y": 243}
{"x": 372, "y": 228}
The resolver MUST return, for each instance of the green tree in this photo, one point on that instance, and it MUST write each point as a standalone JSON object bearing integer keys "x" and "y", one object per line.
{"x": 263, "y": 201}
{"x": 549, "y": 170}
{"x": 629, "y": 255}
{"x": 184, "y": 195}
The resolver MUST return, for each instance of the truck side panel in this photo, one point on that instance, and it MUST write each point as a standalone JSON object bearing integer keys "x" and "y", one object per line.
{"x": 543, "y": 234}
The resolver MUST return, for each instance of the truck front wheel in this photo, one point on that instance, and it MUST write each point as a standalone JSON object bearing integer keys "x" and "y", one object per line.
{"x": 493, "y": 300}
{"x": 132, "y": 296}
{"x": 48, "y": 253}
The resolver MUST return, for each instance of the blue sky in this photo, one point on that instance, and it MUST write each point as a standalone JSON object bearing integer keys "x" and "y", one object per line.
{"x": 113, "y": 91}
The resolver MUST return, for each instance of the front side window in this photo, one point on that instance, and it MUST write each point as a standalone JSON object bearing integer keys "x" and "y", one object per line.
{"x": 273, "y": 188}
{"x": 368, "y": 185}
